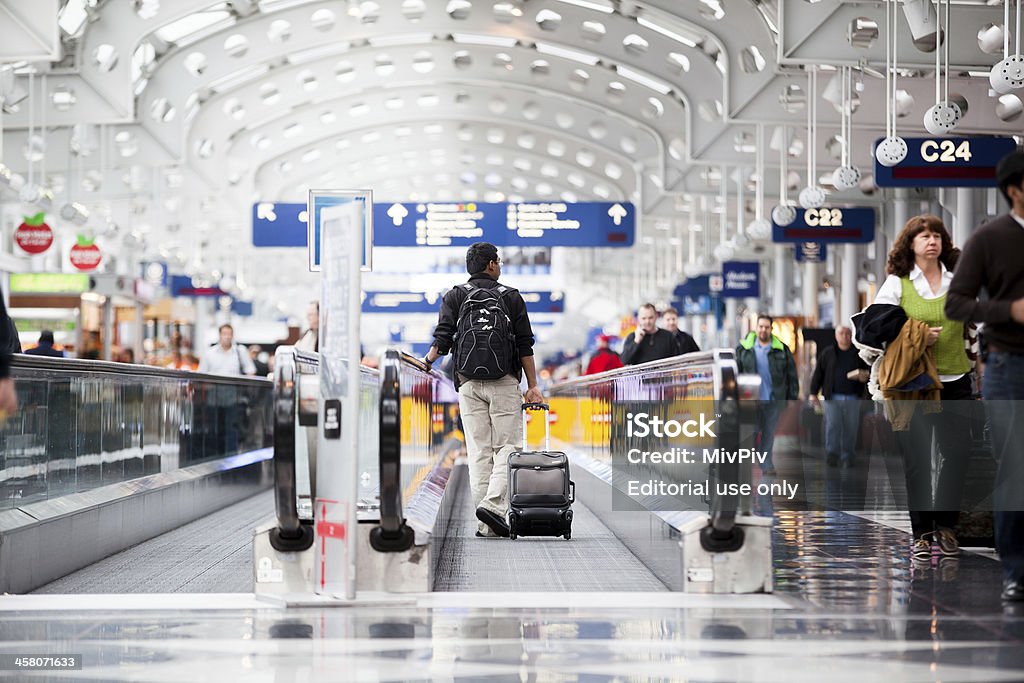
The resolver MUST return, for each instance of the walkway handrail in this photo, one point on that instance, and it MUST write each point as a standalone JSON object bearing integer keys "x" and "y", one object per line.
{"x": 81, "y": 365}
{"x": 392, "y": 534}
{"x": 291, "y": 533}
{"x": 734, "y": 394}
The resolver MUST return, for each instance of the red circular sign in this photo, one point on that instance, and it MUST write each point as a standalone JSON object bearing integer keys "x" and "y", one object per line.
{"x": 34, "y": 239}
{"x": 85, "y": 256}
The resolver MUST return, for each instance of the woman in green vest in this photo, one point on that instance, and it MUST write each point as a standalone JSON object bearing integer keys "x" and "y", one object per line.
{"x": 920, "y": 268}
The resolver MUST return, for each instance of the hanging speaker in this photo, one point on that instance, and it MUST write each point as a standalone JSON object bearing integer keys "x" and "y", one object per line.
{"x": 762, "y": 229}
{"x": 891, "y": 151}
{"x": 941, "y": 118}
{"x": 846, "y": 177}
{"x": 1007, "y": 75}
{"x": 783, "y": 215}
{"x": 811, "y": 197}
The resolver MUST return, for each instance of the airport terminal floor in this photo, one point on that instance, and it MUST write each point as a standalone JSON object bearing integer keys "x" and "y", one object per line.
{"x": 848, "y": 605}
{"x": 846, "y": 600}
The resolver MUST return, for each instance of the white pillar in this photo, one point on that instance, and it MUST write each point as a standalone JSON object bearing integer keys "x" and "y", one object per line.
{"x": 963, "y": 224}
{"x": 729, "y": 327}
{"x": 780, "y": 285}
{"x": 848, "y": 285}
{"x": 140, "y": 331}
{"x": 900, "y": 212}
{"x": 810, "y": 294}
{"x": 108, "y": 327}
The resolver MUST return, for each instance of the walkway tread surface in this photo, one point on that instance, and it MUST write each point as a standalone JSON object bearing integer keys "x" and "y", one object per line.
{"x": 593, "y": 560}
{"x": 209, "y": 555}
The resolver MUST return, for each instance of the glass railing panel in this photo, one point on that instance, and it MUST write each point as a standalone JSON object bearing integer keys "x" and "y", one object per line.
{"x": 85, "y": 424}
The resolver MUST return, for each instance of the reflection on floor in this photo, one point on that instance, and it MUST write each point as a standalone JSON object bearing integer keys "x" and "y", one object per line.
{"x": 850, "y": 605}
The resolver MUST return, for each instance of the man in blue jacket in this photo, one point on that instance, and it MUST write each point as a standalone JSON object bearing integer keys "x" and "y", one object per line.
{"x": 764, "y": 354}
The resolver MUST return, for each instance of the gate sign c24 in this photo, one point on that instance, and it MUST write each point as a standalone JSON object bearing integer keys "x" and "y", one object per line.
{"x": 946, "y": 162}
{"x": 741, "y": 279}
{"x": 827, "y": 224}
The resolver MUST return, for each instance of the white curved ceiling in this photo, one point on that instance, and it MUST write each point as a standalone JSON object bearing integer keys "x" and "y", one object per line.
{"x": 194, "y": 109}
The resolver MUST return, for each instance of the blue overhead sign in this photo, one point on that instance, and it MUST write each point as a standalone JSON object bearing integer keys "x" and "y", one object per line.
{"x": 181, "y": 285}
{"x": 741, "y": 279}
{"x": 694, "y": 286}
{"x": 828, "y": 224}
{"x": 539, "y": 224}
{"x": 429, "y": 302}
{"x": 810, "y": 252}
{"x": 946, "y": 162}
{"x": 505, "y": 224}
{"x": 279, "y": 225}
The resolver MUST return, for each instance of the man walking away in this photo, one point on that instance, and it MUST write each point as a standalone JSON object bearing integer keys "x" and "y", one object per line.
{"x": 486, "y": 326}
{"x": 45, "y": 346}
{"x": 685, "y": 341}
{"x": 764, "y": 354}
{"x": 841, "y": 376}
{"x": 991, "y": 261}
{"x": 648, "y": 342}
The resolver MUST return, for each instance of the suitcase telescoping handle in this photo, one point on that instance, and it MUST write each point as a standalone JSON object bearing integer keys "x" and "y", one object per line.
{"x": 547, "y": 425}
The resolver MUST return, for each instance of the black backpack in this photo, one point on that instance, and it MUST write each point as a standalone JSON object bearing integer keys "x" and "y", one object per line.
{"x": 485, "y": 343}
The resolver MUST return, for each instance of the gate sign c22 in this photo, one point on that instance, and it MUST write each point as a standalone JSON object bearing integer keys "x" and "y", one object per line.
{"x": 946, "y": 162}
{"x": 742, "y": 279}
{"x": 828, "y": 224}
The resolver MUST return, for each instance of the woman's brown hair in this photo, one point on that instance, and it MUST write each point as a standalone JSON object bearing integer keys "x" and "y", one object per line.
{"x": 901, "y": 256}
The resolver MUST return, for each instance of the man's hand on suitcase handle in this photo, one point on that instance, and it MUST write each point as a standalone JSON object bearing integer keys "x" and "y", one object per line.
{"x": 534, "y": 395}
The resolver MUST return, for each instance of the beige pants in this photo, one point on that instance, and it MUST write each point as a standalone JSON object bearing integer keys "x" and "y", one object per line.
{"x": 492, "y": 419}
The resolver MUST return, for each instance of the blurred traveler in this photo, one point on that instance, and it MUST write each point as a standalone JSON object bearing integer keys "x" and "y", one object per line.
{"x": 920, "y": 269}
{"x": 604, "y": 358}
{"x": 686, "y": 342}
{"x": 764, "y": 354}
{"x": 8, "y": 396}
{"x": 648, "y": 342}
{"x": 841, "y": 376}
{"x": 262, "y": 370}
{"x": 226, "y": 357}
{"x": 991, "y": 262}
{"x": 310, "y": 339}
{"x": 487, "y": 327}
{"x": 45, "y": 346}
{"x": 10, "y": 342}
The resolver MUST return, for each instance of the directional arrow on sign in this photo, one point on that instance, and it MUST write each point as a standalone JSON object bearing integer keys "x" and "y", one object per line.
{"x": 397, "y": 212}
{"x": 617, "y": 212}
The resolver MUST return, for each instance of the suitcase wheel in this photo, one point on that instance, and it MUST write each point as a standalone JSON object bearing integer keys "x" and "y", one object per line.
{"x": 512, "y": 526}
{"x": 567, "y": 535}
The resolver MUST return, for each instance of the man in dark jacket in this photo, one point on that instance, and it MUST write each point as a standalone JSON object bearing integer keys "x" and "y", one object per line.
{"x": 764, "y": 354}
{"x": 687, "y": 344}
{"x": 45, "y": 346}
{"x": 991, "y": 263}
{"x": 648, "y": 342}
{"x": 841, "y": 376}
{"x": 491, "y": 409}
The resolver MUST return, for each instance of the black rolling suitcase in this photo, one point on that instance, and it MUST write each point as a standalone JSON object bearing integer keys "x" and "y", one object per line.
{"x": 540, "y": 493}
